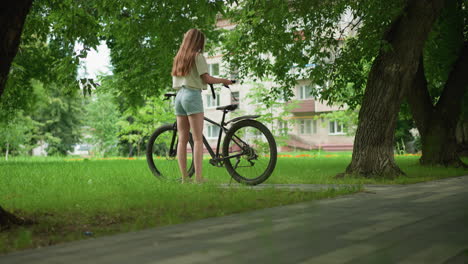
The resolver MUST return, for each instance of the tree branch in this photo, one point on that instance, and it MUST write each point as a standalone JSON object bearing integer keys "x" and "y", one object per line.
{"x": 419, "y": 99}
{"x": 457, "y": 83}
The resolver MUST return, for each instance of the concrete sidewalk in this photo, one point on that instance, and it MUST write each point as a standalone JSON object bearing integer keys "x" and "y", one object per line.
{"x": 418, "y": 223}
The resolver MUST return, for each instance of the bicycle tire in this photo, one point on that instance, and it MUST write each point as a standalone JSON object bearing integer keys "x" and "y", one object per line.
{"x": 169, "y": 128}
{"x": 272, "y": 149}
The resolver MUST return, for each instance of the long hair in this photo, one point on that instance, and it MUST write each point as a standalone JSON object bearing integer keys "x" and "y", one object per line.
{"x": 193, "y": 43}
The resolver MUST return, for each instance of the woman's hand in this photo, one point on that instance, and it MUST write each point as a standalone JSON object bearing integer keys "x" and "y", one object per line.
{"x": 212, "y": 80}
{"x": 227, "y": 82}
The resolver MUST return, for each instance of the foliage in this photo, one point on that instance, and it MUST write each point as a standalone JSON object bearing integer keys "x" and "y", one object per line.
{"x": 46, "y": 52}
{"x": 332, "y": 43}
{"x": 144, "y": 36}
{"x": 102, "y": 116}
{"x": 61, "y": 117}
{"x": 16, "y": 134}
{"x": 442, "y": 48}
{"x": 137, "y": 124}
{"x": 273, "y": 112}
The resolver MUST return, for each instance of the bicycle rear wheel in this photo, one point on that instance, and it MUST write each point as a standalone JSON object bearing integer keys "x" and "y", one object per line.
{"x": 161, "y": 154}
{"x": 250, "y": 152}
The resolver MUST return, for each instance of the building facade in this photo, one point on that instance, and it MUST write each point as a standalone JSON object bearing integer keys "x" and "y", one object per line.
{"x": 303, "y": 126}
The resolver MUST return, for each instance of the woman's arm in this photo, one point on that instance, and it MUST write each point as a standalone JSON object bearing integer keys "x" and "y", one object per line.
{"x": 212, "y": 80}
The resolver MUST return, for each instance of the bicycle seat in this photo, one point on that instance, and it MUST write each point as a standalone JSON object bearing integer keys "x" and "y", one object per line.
{"x": 231, "y": 107}
{"x": 169, "y": 95}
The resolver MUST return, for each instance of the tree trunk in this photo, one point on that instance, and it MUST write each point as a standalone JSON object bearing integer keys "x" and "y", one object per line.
{"x": 12, "y": 16}
{"x": 391, "y": 75}
{"x": 438, "y": 124}
{"x": 139, "y": 146}
{"x": 439, "y": 146}
{"x": 462, "y": 137}
{"x": 131, "y": 149}
{"x": 7, "y": 220}
{"x": 7, "y": 149}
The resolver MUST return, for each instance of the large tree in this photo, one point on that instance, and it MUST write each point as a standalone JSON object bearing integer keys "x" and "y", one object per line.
{"x": 391, "y": 75}
{"x": 358, "y": 52}
{"x": 12, "y": 16}
{"x": 439, "y": 87}
{"x": 437, "y": 123}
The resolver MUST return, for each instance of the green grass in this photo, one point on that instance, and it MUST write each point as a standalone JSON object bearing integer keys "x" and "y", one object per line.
{"x": 322, "y": 170}
{"x": 69, "y": 197}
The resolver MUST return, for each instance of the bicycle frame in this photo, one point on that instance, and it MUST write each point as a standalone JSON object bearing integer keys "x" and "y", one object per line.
{"x": 216, "y": 157}
{"x": 233, "y": 146}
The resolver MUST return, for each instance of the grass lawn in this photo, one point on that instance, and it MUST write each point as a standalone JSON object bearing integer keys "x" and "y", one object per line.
{"x": 320, "y": 168}
{"x": 68, "y": 198}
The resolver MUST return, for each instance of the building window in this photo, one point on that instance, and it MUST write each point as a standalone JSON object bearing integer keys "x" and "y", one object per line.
{"x": 307, "y": 127}
{"x": 213, "y": 69}
{"x": 304, "y": 92}
{"x": 336, "y": 128}
{"x": 283, "y": 127}
{"x": 210, "y": 102}
{"x": 212, "y": 131}
{"x": 236, "y": 96}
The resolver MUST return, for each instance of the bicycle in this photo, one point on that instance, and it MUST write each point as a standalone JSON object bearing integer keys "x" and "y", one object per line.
{"x": 248, "y": 152}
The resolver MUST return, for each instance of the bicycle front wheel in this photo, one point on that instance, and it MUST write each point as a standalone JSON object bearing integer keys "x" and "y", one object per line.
{"x": 161, "y": 154}
{"x": 249, "y": 150}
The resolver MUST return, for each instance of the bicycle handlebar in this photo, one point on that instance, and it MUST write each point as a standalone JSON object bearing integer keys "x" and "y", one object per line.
{"x": 212, "y": 89}
{"x": 169, "y": 95}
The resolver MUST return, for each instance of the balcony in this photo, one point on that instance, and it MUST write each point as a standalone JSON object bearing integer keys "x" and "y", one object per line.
{"x": 304, "y": 106}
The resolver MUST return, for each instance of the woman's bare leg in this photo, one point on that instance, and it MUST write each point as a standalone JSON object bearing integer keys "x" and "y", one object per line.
{"x": 196, "y": 124}
{"x": 183, "y": 128}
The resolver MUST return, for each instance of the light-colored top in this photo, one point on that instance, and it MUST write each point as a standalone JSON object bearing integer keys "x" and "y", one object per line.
{"x": 193, "y": 79}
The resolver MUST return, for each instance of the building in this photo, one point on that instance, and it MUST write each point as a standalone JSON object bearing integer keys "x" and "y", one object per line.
{"x": 302, "y": 126}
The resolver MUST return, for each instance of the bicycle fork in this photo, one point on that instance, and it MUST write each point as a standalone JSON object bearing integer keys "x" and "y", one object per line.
{"x": 174, "y": 142}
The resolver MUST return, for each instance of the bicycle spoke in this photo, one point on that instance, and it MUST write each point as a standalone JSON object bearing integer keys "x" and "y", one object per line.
{"x": 254, "y": 147}
{"x": 164, "y": 154}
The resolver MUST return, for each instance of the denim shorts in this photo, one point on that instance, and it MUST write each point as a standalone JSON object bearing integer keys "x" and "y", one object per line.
{"x": 188, "y": 102}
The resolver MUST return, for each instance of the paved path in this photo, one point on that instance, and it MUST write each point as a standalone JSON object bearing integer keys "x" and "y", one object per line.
{"x": 419, "y": 223}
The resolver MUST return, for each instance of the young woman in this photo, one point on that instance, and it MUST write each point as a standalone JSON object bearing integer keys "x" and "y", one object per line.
{"x": 189, "y": 77}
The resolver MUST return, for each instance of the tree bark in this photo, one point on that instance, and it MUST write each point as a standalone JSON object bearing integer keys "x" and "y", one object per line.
{"x": 437, "y": 124}
{"x": 7, "y": 220}
{"x": 7, "y": 149}
{"x": 12, "y": 16}
{"x": 462, "y": 137}
{"x": 391, "y": 75}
